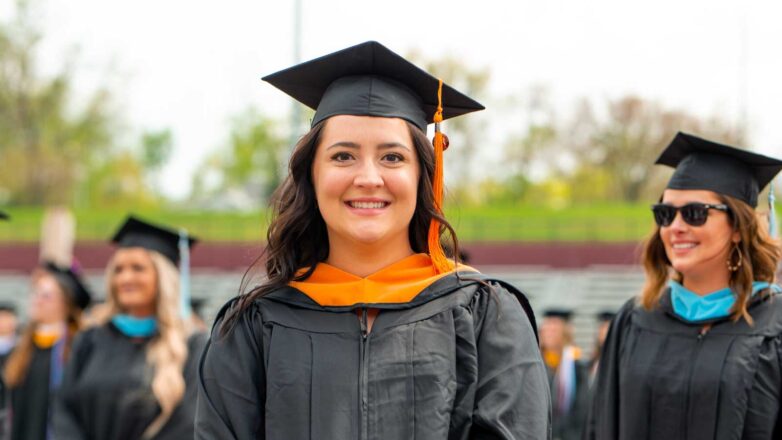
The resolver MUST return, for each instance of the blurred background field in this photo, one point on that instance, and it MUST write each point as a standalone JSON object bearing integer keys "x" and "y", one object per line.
{"x": 613, "y": 222}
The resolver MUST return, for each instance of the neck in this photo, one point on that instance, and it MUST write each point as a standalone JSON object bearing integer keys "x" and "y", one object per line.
{"x": 140, "y": 312}
{"x": 557, "y": 349}
{"x": 49, "y": 327}
{"x": 365, "y": 259}
{"x": 704, "y": 284}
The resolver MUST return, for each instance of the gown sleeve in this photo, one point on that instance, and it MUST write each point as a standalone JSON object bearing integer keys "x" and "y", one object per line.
{"x": 603, "y": 419}
{"x": 232, "y": 381}
{"x": 65, "y": 423}
{"x": 512, "y": 399}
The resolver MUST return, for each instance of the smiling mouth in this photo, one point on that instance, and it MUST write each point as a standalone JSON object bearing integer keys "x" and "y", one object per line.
{"x": 368, "y": 205}
{"x": 683, "y": 246}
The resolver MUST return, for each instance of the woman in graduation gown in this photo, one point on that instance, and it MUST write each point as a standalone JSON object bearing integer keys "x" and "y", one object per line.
{"x": 33, "y": 371}
{"x": 363, "y": 328}
{"x": 699, "y": 354}
{"x": 133, "y": 376}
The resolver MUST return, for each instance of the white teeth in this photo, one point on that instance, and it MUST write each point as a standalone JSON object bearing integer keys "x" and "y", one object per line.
{"x": 684, "y": 245}
{"x": 367, "y": 205}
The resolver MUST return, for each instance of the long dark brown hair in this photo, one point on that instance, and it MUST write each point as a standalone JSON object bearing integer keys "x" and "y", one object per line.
{"x": 297, "y": 237}
{"x": 760, "y": 255}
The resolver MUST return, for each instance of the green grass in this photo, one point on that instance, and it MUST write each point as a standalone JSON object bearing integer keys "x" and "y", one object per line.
{"x": 613, "y": 222}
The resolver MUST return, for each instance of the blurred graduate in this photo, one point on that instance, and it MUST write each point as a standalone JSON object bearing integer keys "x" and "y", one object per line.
{"x": 33, "y": 370}
{"x": 699, "y": 354}
{"x": 133, "y": 375}
{"x": 567, "y": 373}
{"x": 364, "y": 328}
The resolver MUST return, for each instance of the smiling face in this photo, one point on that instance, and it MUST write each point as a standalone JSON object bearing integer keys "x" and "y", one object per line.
{"x": 365, "y": 175}
{"x": 134, "y": 281}
{"x": 698, "y": 251}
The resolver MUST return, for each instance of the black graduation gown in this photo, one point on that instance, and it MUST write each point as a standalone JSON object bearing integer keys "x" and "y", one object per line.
{"x": 106, "y": 391}
{"x": 30, "y": 400}
{"x": 661, "y": 378}
{"x": 5, "y": 411}
{"x": 570, "y": 426}
{"x": 457, "y": 362}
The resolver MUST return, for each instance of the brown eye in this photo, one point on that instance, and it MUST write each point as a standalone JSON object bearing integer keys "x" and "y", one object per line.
{"x": 393, "y": 158}
{"x": 341, "y": 156}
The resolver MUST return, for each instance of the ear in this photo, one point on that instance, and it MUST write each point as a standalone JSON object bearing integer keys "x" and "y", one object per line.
{"x": 735, "y": 237}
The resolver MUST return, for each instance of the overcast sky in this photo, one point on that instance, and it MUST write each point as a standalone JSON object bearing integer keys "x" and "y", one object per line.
{"x": 191, "y": 65}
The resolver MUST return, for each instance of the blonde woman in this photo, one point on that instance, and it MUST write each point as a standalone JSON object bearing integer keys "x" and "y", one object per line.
{"x": 34, "y": 368}
{"x": 699, "y": 354}
{"x": 133, "y": 376}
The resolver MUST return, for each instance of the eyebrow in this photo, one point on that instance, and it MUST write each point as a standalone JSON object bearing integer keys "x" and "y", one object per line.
{"x": 383, "y": 146}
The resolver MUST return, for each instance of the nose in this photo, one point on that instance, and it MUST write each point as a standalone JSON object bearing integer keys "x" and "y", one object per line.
{"x": 678, "y": 224}
{"x": 369, "y": 175}
{"x": 123, "y": 276}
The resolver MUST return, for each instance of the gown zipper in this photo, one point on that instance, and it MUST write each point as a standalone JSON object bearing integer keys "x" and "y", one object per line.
{"x": 698, "y": 344}
{"x": 363, "y": 380}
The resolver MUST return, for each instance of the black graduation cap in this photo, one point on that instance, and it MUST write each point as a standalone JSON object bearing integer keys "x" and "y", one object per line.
{"x": 138, "y": 233}
{"x": 7, "y": 306}
{"x": 72, "y": 281}
{"x": 565, "y": 314}
{"x": 706, "y": 165}
{"x": 197, "y": 305}
{"x": 605, "y": 315}
{"x": 370, "y": 80}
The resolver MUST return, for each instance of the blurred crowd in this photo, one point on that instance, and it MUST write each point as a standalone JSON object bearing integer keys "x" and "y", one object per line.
{"x": 123, "y": 367}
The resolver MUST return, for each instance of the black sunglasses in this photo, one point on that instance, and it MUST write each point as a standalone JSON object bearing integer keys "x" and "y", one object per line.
{"x": 694, "y": 214}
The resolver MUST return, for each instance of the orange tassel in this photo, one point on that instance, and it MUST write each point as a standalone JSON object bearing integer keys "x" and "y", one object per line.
{"x": 439, "y": 259}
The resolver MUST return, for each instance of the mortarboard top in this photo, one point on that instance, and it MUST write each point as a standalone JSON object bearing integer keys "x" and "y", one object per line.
{"x": 138, "y": 233}
{"x": 605, "y": 315}
{"x": 704, "y": 165}
{"x": 197, "y": 304}
{"x": 72, "y": 280}
{"x": 565, "y": 314}
{"x": 7, "y": 306}
{"x": 370, "y": 80}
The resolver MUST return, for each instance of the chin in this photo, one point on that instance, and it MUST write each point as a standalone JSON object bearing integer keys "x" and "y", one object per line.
{"x": 127, "y": 303}
{"x": 367, "y": 239}
{"x": 680, "y": 265}
{"x": 367, "y": 235}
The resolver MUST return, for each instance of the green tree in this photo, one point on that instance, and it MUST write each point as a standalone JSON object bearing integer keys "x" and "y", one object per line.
{"x": 156, "y": 149}
{"x": 248, "y": 164}
{"x": 47, "y": 145}
{"x": 602, "y": 155}
{"x": 465, "y": 133}
{"x": 625, "y": 143}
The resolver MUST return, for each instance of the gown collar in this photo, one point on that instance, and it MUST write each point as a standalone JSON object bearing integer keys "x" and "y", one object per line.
{"x": 133, "y": 327}
{"x": 692, "y": 307}
{"x": 398, "y": 283}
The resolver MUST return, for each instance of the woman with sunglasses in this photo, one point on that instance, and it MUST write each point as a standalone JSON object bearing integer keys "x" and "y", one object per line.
{"x": 364, "y": 328}
{"x": 699, "y": 354}
{"x": 33, "y": 371}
